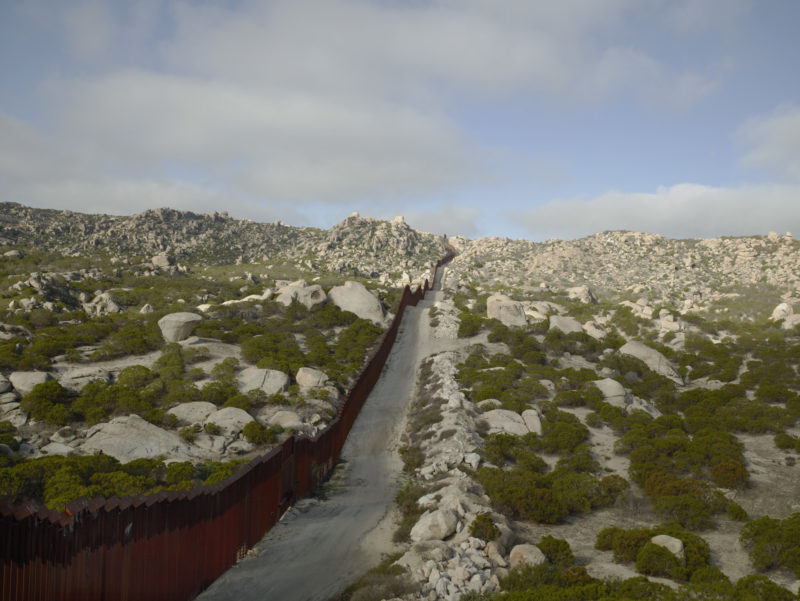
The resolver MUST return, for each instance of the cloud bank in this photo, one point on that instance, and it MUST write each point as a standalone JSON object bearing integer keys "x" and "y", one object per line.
{"x": 681, "y": 211}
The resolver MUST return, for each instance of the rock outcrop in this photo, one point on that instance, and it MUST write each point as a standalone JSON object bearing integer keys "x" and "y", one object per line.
{"x": 270, "y": 381}
{"x": 651, "y": 357}
{"x": 354, "y": 297}
{"x": 130, "y": 437}
{"x": 24, "y": 381}
{"x": 178, "y": 326}
{"x": 509, "y": 312}
{"x": 526, "y": 555}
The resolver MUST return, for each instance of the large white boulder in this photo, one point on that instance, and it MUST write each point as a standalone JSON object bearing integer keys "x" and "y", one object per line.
{"x": 670, "y": 543}
{"x": 782, "y": 311}
{"x": 57, "y": 448}
{"x": 502, "y": 420}
{"x": 286, "y": 419}
{"x": 102, "y": 304}
{"x": 178, "y": 326}
{"x": 24, "y": 381}
{"x": 651, "y": 357}
{"x": 130, "y": 437}
{"x": 595, "y": 330}
{"x": 354, "y": 297}
{"x": 75, "y": 379}
{"x": 231, "y": 420}
{"x": 195, "y": 412}
{"x": 790, "y": 322}
{"x": 268, "y": 380}
{"x": 614, "y": 393}
{"x": 582, "y": 294}
{"x": 533, "y": 421}
{"x": 565, "y": 323}
{"x": 306, "y": 295}
{"x": 434, "y": 525}
{"x": 162, "y": 260}
{"x": 509, "y": 312}
{"x": 530, "y": 555}
{"x": 308, "y": 378}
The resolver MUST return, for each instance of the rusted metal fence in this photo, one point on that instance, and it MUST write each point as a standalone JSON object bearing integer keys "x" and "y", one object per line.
{"x": 173, "y": 545}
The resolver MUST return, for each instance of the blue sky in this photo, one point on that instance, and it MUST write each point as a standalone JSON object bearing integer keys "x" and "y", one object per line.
{"x": 513, "y": 118}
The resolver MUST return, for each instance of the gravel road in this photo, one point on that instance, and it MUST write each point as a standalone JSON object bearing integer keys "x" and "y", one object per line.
{"x": 320, "y": 547}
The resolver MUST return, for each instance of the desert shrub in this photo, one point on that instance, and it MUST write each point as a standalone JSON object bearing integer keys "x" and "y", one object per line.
{"x": 773, "y": 543}
{"x": 760, "y": 588}
{"x": 48, "y": 402}
{"x": 218, "y": 392}
{"x": 135, "y": 376}
{"x": 655, "y": 560}
{"x": 557, "y": 551}
{"x": 736, "y": 512}
{"x": 225, "y": 370}
{"x": 57, "y": 481}
{"x": 385, "y": 581}
{"x": 628, "y": 547}
{"x": 7, "y": 431}
{"x": 214, "y": 472}
{"x": 484, "y": 528}
{"x": 258, "y": 434}
{"x": 274, "y": 350}
{"x": 212, "y": 429}
{"x": 522, "y": 495}
{"x": 784, "y": 441}
{"x": 189, "y": 433}
{"x": 624, "y": 543}
{"x": 730, "y": 474}
{"x": 410, "y": 511}
{"x": 413, "y": 458}
{"x": 240, "y": 401}
{"x": 469, "y": 325}
{"x": 178, "y": 473}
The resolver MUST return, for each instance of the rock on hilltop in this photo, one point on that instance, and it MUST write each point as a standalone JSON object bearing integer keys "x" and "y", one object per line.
{"x": 357, "y": 246}
{"x": 622, "y": 262}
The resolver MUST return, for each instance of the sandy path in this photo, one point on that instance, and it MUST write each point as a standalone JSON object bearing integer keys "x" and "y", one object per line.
{"x": 320, "y": 547}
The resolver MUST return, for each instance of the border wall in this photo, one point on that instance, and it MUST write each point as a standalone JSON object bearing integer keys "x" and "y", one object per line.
{"x": 172, "y": 546}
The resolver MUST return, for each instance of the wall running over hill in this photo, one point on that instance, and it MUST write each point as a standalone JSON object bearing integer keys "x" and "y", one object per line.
{"x": 171, "y": 546}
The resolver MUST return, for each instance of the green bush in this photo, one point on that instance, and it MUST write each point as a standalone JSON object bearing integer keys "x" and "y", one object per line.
{"x": 410, "y": 511}
{"x": 258, "y": 434}
{"x": 760, "y": 588}
{"x": 557, "y": 551}
{"x": 212, "y": 429}
{"x": 655, "y": 560}
{"x": 240, "y": 401}
{"x": 469, "y": 325}
{"x": 784, "y": 441}
{"x": 189, "y": 433}
{"x": 7, "y": 432}
{"x": 773, "y": 543}
{"x": 48, "y": 402}
{"x": 484, "y": 528}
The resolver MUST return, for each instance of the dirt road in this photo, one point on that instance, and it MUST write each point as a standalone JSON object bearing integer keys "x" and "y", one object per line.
{"x": 322, "y": 546}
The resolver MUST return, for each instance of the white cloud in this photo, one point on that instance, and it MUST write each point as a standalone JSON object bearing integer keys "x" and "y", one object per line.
{"x": 681, "y": 211}
{"x": 446, "y": 219}
{"x": 297, "y": 102}
{"x": 776, "y": 141}
{"x": 273, "y": 144}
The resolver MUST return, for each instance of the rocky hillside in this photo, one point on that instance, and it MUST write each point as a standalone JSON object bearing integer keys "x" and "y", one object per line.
{"x": 357, "y": 246}
{"x": 630, "y": 264}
